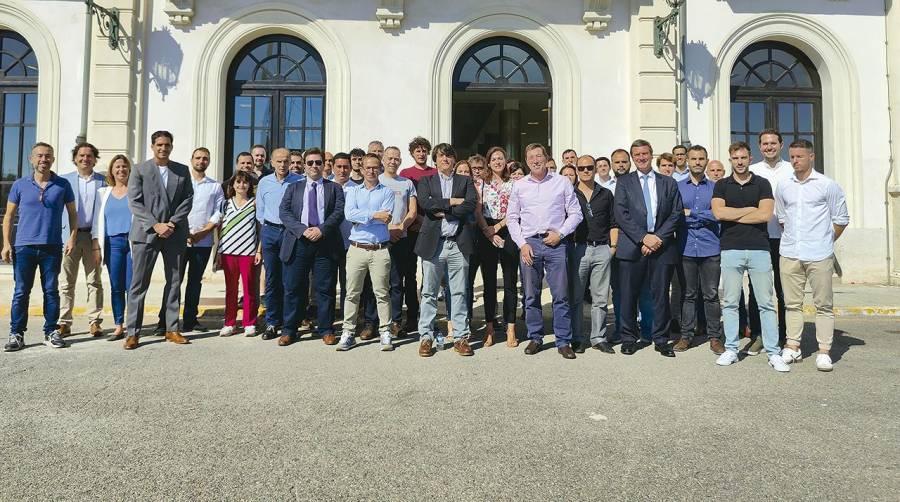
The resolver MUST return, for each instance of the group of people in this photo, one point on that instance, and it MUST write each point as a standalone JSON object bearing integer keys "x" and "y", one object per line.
{"x": 657, "y": 243}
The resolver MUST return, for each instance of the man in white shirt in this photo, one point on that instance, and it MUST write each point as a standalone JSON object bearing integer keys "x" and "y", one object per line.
{"x": 680, "y": 172}
{"x": 85, "y": 183}
{"x": 205, "y": 215}
{"x": 775, "y": 170}
{"x": 813, "y": 212}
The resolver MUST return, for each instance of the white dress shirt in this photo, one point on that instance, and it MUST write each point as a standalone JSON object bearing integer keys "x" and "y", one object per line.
{"x": 809, "y": 210}
{"x": 609, "y": 185}
{"x": 783, "y": 170}
{"x": 87, "y": 192}
{"x": 207, "y": 207}
{"x": 164, "y": 178}
{"x": 320, "y": 200}
{"x": 651, "y": 180}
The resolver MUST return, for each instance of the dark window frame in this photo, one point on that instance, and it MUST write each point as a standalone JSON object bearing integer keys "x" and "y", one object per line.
{"x": 502, "y": 84}
{"x": 24, "y": 86}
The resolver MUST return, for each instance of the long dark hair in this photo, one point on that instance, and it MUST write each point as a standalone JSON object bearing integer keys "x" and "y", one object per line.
{"x": 242, "y": 176}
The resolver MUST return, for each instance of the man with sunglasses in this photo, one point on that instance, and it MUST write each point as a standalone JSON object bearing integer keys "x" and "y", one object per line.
{"x": 39, "y": 199}
{"x": 311, "y": 211}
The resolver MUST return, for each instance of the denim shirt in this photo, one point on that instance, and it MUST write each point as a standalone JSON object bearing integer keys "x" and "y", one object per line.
{"x": 699, "y": 235}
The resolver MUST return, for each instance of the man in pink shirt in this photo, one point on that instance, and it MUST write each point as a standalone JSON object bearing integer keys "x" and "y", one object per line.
{"x": 543, "y": 212}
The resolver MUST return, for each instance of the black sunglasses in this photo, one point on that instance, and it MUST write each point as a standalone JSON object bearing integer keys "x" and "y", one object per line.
{"x": 314, "y": 162}
{"x": 585, "y": 168}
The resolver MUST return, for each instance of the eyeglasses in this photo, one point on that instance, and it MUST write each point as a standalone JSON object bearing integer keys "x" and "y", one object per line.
{"x": 585, "y": 168}
{"x": 314, "y": 163}
{"x": 372, "y": 168}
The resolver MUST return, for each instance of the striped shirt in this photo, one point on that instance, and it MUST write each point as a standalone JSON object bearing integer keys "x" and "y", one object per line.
{"x": 239, "y": 235}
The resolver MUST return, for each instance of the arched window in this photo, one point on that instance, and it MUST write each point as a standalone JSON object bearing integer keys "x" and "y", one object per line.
{"x": 276, "y": 97}
{"x": 774, "y": 85}
{"x": 501, "y": 96}
{"x": 18, "y": 108}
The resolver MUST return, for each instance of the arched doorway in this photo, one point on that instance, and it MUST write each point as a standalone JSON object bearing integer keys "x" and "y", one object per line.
{"x": 774, "y": 85}
{"x": 276, "y": 97}
{"x": 18, "y": 108}
{"x": 501, "y": 96}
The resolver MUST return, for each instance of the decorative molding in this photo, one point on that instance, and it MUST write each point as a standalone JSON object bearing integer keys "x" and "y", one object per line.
{"x": 596, "y": 15}
{"x": 390, "y": 14}
{"x": 180, "y": 12}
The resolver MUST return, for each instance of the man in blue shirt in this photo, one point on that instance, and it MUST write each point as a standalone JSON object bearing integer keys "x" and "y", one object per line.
{"x": 699, "y": 240}
{"x": 268, "y": 200}
{"x": 39, "y": 199}
{"x": 369, "y": 208}
{"x": 312, "y": 211}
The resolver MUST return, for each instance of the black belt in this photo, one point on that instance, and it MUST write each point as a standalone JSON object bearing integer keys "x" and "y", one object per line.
{"x": 370, "y": 247}
{"x": 596, "y": 243}
{"x": 87, "y": 229}
{"x": 539, "y": 236}
{"x": 449, "y": 237}
{"x": 492, "y": 221}
{"x": 271, "y": 224}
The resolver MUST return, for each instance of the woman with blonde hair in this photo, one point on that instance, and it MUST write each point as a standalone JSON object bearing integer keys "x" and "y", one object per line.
{"x": 112, "y": 223}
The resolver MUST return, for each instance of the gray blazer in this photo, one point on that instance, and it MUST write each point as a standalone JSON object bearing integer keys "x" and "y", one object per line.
{"x": 150, "y": 205}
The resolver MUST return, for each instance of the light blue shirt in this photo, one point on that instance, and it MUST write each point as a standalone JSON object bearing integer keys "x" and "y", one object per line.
{"x": 681, "y": 176}
{"x": 359, "y": 206}
{"x": 448, "y": 227}
{"x": 320, "y": 201}
{"x": 269, "y": 193}
{"x": 206, "y": 208}
{"x": 118, "y": 215}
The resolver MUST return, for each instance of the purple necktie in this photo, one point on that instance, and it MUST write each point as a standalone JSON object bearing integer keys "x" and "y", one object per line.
{"x": 313, "y": 211}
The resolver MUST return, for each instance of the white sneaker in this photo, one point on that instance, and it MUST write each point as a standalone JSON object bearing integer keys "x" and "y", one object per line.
{"x": 386, "y": 344}
{"x": 226, "y": 331}
{"x": 250, "y": 331}
{"x": 346, "y": 342}
{"x": 778, "y": 364}
{"x": 791, "y": 356}
{"x": 823, "y": 362}
{"x": 727, "y": 358}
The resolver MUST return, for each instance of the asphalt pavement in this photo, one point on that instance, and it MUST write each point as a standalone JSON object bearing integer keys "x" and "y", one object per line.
{"x": 243, "y": 419}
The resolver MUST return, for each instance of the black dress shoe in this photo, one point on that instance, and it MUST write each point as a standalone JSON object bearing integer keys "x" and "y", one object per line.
{"x": 578, "y": 348}
{"x": 665, "y": 350}
{"x": 629, "y": 348}
{"x": 567, "y": 352}
{"x": 270, "y": 333}
{"x": 533, "y": 348}
{"x": 604, "y": 347}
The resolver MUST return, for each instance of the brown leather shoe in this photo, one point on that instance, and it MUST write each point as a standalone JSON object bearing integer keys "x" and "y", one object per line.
{"x": 285, "y": 340}
{"x": 367, "y": 333}
{"x": 462, "y": 347}
{"x": 329, "y": 339}
{"x": 716, "y": 346}
{"x": 566, "y": 351}
{"x": 682, "y": 345}
{"x": 131, "y": 342}
{"x": 425, "y": 348}
{"x": 65, "y": 330}
{"x": 533, "y": 348}
{"x": 397, "y": 331}
{"x": 96, "y": 330}
{"x": 175, "y": 337}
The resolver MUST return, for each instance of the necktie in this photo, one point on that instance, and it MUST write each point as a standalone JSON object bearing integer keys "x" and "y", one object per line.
{"x": 646, "y": 187}
{"x": 313, "y": 207}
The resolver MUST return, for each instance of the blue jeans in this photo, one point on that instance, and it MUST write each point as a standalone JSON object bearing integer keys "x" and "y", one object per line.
{"x": 309, "y": 256}
{"x": 552, "y": 262}
{"x": 26, "y": 261}
{"x": 758, "y": 265}
{"x": 447, "y": 259}
{"x": 271, "y": 246}
{"x": 117, "y": 251}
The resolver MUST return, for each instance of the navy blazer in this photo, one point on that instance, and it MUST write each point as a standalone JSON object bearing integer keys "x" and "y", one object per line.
{"x": 291, "y": 210}
{"x": 631, "y": 215}
{"x": 432, "y": 201}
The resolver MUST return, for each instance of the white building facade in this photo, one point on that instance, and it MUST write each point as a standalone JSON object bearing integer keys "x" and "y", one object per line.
{"x": 591, "y": 75}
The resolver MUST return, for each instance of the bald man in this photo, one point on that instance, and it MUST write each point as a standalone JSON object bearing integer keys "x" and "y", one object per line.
{"x": 715, "y": 170}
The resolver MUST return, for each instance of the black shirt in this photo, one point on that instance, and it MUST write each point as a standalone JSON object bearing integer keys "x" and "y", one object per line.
{"x": 598, "y": 216}
{"x": 743, "y": 235}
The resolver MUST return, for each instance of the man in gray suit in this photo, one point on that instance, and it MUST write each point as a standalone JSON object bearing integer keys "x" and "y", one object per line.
{"x": 160, "y": 194}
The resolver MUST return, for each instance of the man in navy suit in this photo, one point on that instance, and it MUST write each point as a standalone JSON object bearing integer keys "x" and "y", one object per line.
{"x": 311, "y": 211}
{"x": 648, "y": 208}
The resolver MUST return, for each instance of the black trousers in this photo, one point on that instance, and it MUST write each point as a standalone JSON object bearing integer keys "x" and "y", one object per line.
{"x": 632, "y": 275}
{"x": 701, "y": 278}
{"x": 508, "y": 259}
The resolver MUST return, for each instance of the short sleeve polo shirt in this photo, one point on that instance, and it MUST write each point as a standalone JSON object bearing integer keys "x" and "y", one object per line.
{"x": 743, "y": 235}
{"x": 40, "y": 211}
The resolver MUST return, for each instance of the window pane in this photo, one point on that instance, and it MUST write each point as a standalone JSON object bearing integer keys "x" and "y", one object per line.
{"x": 12, "y": 107}
{"x": 786, "y": 116}
{"x": 10, "y": 154}
{"x": 754, "y": 148}
{"x": 245, "y": 69}
{"x": 242, "y": 105}
{"x": 27, "y": 143}
{"x": 738, "y": 116}
{"x": 801, "y": 76}
{"x": 314, "y": 113}
{"x": 293, "y": 139}
{"x": 514, "y": 53}
{"x": 468, "y": 71}
{"x": 312, "y": 71}
{"x": 267, "y": 70}
{"x": 293, "y": 51}
{"x": 517, "y": 77}
{"x": 261, "y": 137}
{"x": 805, "y": 121}
{"x": 788, "y": 138}
{"x": 262, "y": 111}
{"x": 489, "y": 52}
{"x": 293, "y": 111}
{"x": 241, "y": 142}
{"x": 31, "y": 108}
{"x": 312, "y": 138}
{"x": 535, "y": 75}
{"x": 757, "y": 115}
{"x": 264, "y": 50}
